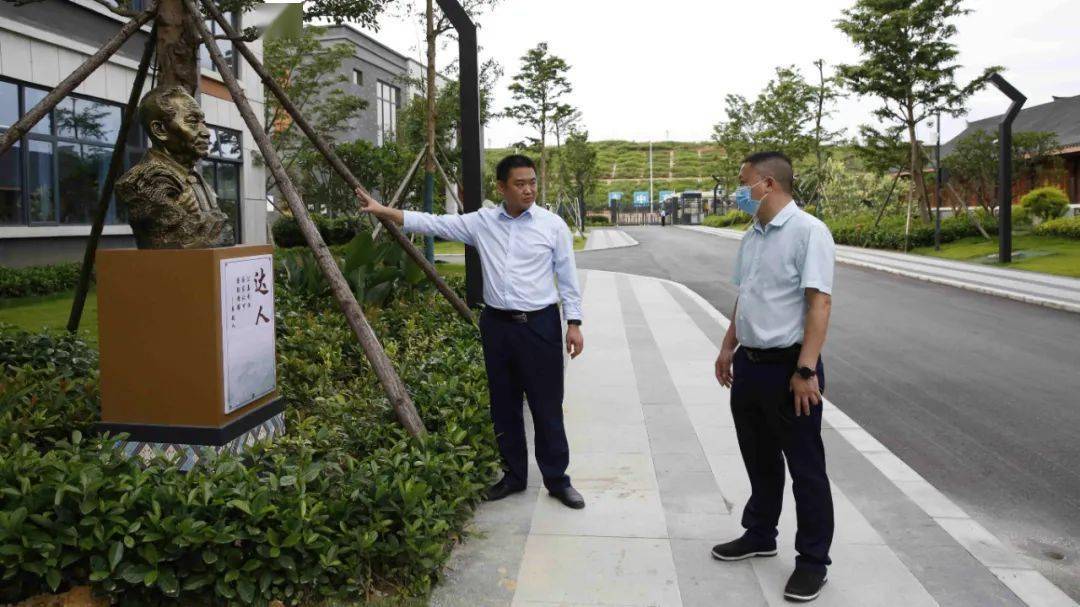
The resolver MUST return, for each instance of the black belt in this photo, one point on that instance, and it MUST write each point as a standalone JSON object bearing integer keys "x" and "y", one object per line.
{"x": 772, "y": 355}
{"x": 517, "y": 316}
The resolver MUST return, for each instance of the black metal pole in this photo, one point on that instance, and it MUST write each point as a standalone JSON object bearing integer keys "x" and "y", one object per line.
{"x": 472, "y": 151}
{"x": 116, "y": 165}
{"x": 937, "y": 185}
{"x": 1005, "y": 167}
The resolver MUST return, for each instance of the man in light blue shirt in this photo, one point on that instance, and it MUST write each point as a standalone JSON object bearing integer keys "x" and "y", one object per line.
{"x": 784, "y": 271}
{"x": 527, "y": 256}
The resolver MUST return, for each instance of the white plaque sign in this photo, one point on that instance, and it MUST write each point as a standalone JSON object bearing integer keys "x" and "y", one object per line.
{"x": 247, "y": 318}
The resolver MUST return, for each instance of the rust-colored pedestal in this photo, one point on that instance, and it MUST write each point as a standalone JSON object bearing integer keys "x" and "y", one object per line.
{"x": 164, "y": 335}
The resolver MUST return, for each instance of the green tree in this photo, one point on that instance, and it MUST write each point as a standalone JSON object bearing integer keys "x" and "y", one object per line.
{"x": 1046, "y": 203}
{"x": 381, "y": 168}
{"x": 538, "y": 89}
{"x": 908, "y": 63}
{"x": 973, "y": 163}
{"x": 309, "y": 73}
{"x": 782, "y": 117}
{"x": 578, "y": 170}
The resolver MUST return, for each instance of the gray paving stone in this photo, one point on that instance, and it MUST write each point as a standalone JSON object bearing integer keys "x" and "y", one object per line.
{"x": 706, "y": 582}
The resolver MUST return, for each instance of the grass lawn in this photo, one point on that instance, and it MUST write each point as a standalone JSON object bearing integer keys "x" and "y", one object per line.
{"x": 457, "y": 248}
{"x": 51, "y": 312}
{"x": 1047, "y": 254}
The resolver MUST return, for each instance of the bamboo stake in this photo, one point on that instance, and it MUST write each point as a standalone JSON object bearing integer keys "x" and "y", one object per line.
{"x": 116, "y": 165}
{"x": 74, "y": 79}
{"x": 369, "y": 342}
{"x": 453, "y": 194}
{"x": 335, "y": 162}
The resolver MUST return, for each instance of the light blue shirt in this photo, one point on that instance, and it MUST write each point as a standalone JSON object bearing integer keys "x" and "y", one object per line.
{"x": 775, "y": 265}
{"x": 521, "y": 256}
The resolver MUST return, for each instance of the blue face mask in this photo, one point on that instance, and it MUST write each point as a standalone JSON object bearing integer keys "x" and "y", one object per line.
{"x": 744, "y": 201}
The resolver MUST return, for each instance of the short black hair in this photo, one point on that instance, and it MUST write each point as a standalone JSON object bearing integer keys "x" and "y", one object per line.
{"x": 773, "y": 164}
{"x": 511, "y": 162}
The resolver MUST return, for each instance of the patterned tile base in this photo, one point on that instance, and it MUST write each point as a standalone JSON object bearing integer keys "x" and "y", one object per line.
{"x": 187, "y": 456}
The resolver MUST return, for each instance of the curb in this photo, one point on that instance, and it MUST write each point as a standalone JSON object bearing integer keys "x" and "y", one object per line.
{"x": 633, "y": 243}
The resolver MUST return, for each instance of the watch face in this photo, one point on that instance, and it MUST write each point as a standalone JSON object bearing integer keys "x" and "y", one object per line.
{"x": 806, "y": 372}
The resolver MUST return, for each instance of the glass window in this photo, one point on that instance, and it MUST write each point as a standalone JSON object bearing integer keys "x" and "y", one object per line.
{"x": 11, "y": 186}
{"x": 9, "y": 104}
{"x": 87, "y": 120}
{"x": 388, "y": 97}
{"x": 358, "y": 77}
{"x": 224, "y": 143}
{"x": 228, "y": 191}
{"x": 31, "y": 97}
{"x": 40, "y": 185}
{"x": 82, "y": 171}
{"x": 226, "y": 47}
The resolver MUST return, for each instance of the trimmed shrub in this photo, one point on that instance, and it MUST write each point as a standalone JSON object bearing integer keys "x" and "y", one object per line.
{"x": 733, "y": 217}
{"x": 38, "y": 280}
{"x": 335, "y": 231}
{"x": 1063, "y": 227}
{"x": 1045, "y": 203}
{"x": 597, "y": 221}
{"x": 343, "y": 504}
{"x": 889, "y": 234}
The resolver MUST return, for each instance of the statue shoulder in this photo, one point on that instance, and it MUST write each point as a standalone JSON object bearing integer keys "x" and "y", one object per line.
{"x": 149, "y": 176}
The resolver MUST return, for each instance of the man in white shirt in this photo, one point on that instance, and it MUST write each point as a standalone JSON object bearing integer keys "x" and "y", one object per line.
{"x": 784, "y": 272}
{"x": 523, "y": 249}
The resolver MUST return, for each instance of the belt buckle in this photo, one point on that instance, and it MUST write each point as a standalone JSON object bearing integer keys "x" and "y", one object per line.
{"x": 520, "y": 317}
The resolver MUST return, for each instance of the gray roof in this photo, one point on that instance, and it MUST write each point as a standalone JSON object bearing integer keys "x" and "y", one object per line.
{"x": 1061, "y": 117}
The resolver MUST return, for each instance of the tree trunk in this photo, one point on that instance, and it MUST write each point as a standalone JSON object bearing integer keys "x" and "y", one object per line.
{"x": 429, "y": 165}
{"x": 543, "y": 159}
{"x": 177, "y": 47}
{"x": 917, "y": 177}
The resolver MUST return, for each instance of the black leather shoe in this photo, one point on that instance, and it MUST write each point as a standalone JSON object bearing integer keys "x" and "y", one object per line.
{"x": 500, "y": 490}
{"x": 804, "y": 585}
{"x": 742, "y": 548}
{"x": 569, "y": 497}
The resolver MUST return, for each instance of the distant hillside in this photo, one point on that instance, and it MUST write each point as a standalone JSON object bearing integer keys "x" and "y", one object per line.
{"x": 624, "y": 166}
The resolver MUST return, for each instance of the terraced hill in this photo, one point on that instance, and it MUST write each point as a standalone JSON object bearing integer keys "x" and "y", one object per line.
{"x": 623, "y": 166}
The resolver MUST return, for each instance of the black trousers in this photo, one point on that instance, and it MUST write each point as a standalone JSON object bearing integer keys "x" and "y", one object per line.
{"x": 526, "y": 360}
{"x": 763, "y": 408}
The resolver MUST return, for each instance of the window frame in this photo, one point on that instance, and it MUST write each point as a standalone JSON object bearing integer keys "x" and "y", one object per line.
{"x": 381, "y": 105}
{"x": 54, "y": 140}
{"x": 214, "y": 163}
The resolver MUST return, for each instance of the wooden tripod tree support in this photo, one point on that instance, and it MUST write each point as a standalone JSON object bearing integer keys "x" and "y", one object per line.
{"x": 400, "y": 189}
{"x": 116, "y": 165}
{"x": 74, "y": 79}
{"x": 328, "y": 153}
{"x": 369, "y": 342}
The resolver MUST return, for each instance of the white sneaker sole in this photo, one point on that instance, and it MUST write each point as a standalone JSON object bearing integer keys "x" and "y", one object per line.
{"x": 740, "y": 557}
{"x": 798, "y": 597}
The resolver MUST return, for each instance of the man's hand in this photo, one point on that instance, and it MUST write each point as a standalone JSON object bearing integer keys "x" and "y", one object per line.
{"x": 807, "y": 393}
{"x": 574, "y": 341}
{"x": 376, "y": 208}
{"x": 724, "y": 375}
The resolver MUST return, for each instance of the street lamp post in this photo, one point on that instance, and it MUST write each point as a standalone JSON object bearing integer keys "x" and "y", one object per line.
{"x": 937, "y": 185}
{"x": 1005, "y": 166}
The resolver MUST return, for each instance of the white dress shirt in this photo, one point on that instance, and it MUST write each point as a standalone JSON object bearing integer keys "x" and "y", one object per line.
{"x": 775, "y": 265}
{"x": 521, "y": 256}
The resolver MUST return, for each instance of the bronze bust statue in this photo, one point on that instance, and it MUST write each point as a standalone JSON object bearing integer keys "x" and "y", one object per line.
{"x": 169, "y": 203}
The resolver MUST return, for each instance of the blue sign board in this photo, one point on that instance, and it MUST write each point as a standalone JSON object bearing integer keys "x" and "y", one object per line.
{"x": 665, "y": 194}
{"x": 641, "y": 199}
{"x": 614, "y": 196}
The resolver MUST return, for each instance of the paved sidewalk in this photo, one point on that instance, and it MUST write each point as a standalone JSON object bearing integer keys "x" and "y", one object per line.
{"x": 607, "y": 238}
{"x": 1032, "y": 287}
{"x": 653, "y": 450}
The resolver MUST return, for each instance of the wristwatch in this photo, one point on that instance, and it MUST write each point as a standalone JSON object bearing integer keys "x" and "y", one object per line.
{"x": 806, "y": 372}
{"x": 574, "y": 321}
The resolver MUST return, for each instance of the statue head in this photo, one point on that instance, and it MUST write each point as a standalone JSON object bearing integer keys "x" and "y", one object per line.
{"x": 175, "y": 124}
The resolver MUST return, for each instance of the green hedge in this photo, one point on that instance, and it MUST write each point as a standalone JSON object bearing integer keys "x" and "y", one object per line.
{"x": 335, "y": 231}
{"x": 1064, "y": 227}
{"x": 733, "y": 217}
{"x": 889, "y": 234}
{"x": 342, "y": 505}
{"x": 38, "y": 280}
{"x": 597, "y": 221}
{"x": 1046, "y": 203}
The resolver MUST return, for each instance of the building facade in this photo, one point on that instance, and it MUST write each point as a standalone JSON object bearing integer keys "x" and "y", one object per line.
{"x": 50, "y": 181}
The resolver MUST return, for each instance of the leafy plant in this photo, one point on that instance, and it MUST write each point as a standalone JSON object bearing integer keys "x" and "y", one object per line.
{"x": 38, "y": 280}
{"x": 1046, "y": 203}
{"x": 1065, "y": 227}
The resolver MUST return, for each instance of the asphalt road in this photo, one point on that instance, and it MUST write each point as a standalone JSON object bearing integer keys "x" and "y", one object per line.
{"x": 979, "y": 394}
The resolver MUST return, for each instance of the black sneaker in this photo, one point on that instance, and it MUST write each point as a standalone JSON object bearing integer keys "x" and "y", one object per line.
{"x": 804, "y": 585}
{"x": 742, "y": 548}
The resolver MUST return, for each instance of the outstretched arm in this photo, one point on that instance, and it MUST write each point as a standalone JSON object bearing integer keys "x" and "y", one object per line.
{"x": 447, "y": 227}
